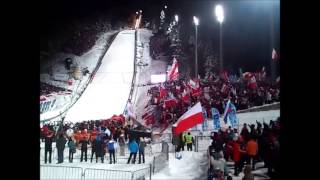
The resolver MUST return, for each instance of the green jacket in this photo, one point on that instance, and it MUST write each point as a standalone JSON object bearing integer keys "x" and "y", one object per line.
{"x": 188, "y": 139}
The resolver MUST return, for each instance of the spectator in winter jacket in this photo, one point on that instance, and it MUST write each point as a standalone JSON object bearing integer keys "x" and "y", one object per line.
{"x": 133, "y": 148}
{"x": 111, "y": 149}
{"x": 84, "y": 148}
{"x": 245, "y": 132}
{"x": 122, "y": 143}
{"x": 93, "y": 147}
{"x": 61, "y": 143}
{"x": 189, "y": 141}
{"x": 142, "y": 145}
{"x": 218, "y": 164}
{"x": 100, "y": 148}
{"x": 252, "y": 151}
{"x": 48, "y": 146}
{"x": 72, "y": 148}
{"x": 237, "y": 153}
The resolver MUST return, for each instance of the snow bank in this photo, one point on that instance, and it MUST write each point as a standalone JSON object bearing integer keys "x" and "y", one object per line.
{"x": 193, "y": 165}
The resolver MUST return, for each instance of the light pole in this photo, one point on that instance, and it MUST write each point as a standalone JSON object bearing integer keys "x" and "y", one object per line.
{"x": 220, "y": 17}
{"x": 196, "y": 23}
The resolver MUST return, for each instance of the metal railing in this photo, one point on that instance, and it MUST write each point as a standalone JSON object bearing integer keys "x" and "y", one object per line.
{"x": 106, "y": 174}
{"x": 48, "y": 172}
{"x": 202, "y": 143}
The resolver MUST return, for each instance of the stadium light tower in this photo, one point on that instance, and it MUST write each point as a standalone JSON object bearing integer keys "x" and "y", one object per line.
{"x": 220, "y": 18}
{"x": 196, "y": 23}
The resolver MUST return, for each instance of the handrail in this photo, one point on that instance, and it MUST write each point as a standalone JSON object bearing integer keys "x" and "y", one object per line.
{"x": 134, "y": 69}
{"x": 88, "y": 81}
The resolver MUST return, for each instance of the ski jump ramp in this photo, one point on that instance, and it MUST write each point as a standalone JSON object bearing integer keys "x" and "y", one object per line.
{"x": 108, "y": 92}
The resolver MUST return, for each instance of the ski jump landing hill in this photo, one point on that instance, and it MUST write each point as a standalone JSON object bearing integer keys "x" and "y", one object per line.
{"x": 108, "y": 92}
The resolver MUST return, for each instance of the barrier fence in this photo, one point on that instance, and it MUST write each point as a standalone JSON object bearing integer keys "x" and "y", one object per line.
{"x": 60, "y": 172}
{"x": 202, "y": 143}
{"x": 48, "y": 172}
{"x": 159, "y": 161}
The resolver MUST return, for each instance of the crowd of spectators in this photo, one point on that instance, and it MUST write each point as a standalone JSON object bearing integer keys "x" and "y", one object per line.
{"x": 101, "y": 135}
{"x": 170, "y": 100}
{"x": 254, "y": 144}
{"x": 46, "y": 89}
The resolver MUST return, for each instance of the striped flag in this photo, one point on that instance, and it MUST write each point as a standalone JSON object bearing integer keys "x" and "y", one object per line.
{"x": 216, "y": 119}
{"x": 173, "y": 73}
{"x": 230, "y": 114}
{"x": 189, "y": 119}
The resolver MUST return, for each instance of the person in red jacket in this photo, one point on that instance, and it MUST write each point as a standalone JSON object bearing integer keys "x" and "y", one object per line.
{"x": 237, "y": 153}
{"x": 252, "y": 151}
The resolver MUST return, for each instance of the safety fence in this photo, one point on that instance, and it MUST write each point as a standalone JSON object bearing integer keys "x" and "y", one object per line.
{"x": 159, "y": 153}
{"x": 202, "y": 143}
{"x": 48, "y": 172}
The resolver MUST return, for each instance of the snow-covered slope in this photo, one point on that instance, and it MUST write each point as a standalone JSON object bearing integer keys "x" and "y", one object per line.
{"x": 108, "y": 92}
{"x": 55, "y": 66}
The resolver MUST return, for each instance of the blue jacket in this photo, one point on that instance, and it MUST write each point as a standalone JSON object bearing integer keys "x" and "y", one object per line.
{"x": 133, "y": 147}
{"x": 111, "y": 145}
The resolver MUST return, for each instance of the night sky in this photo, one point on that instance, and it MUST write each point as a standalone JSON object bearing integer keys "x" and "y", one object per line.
{"x": 246, "y": 29}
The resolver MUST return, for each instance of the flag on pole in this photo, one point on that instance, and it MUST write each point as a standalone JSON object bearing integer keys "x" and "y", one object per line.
{"x": 194, "y": 85}
{"x": 275, "y": 55}
{"x": 216, "y": 119}
{"x": 252, "y": 83}
{"x": 185, "y": 96}
{"x": 230, "y": 114}
{"x": 173, "y": 73}
{"x": 163, "y": 91}
{"x": 189, "y": 119}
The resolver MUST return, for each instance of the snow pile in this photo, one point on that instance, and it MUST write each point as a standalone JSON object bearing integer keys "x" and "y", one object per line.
{"x": 192, "y": 165}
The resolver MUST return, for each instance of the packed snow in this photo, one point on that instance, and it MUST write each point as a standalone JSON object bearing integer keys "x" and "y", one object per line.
{"x": 108, "y": 92}
{"x": 55, "y": 66}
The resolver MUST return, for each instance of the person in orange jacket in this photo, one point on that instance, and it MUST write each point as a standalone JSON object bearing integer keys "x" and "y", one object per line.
{"x": 237, "y": 153}
{"x": 252, "y": 151}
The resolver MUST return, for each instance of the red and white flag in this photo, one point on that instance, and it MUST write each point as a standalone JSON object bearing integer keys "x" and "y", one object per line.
{"x": 275, "y": 55}
{"x": 189, "y": 119}
{"x": 163, "y": 91}
{"x": 252, "y": 83}
{"x": 173, "y": 74}
{"x": 168, "y": 103}
{"x": 185, "y": 96}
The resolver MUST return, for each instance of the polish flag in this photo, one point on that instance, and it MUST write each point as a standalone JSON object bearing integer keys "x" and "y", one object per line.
{"x": 252, "y": 83}
{"x": 189, "y": 119}
{"x": 163, "y": 91}
{"x": 173, "y": 74}
{"x": 185, "y": 96}
{"x": 169, "y": 103}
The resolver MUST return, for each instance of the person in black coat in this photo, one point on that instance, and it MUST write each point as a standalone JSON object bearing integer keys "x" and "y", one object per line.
{"x": 61, "y": 143}
{"x": 84, "y": 148}
{"x": 100, "y": 148}
{"x": 94, "y": 148}
{"x": 48, "y": 146}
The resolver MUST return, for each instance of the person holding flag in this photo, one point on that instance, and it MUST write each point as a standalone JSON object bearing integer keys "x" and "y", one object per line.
{"x": 216, "y": 119}
{"x": 230, "y": 113}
